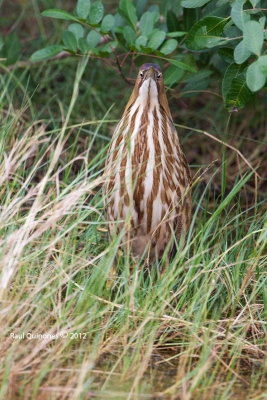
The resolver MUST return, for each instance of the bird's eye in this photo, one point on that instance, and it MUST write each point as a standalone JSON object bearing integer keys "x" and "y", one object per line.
{"x": 158, "y": 76}
{"x": 141, "y": 74}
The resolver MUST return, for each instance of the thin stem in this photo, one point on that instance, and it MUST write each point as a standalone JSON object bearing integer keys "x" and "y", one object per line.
{"x": 223, "y": 184}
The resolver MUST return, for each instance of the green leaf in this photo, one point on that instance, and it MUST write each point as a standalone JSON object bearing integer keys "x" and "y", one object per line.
{"x": 193, "y": 3}
{"x": 107, "y": 23}
{"x": 180, "y": 64}
{"x": 198, "y": 81}
{"x": 226, "y": 54}
{"x": 169, "y": 46}
{"x": 11, "y": 49}
{"x": 155, "y": 10}
{"x": 119, "y": 21}
{"x": 129, "y": 35}
{"x": 47, "y": 52}
{"x": 83, "y": 8}
{"x": 83, "y": 45}
{"x": 59, "y": 14}
{"x": 234, "y": 88}
{"x": 173, "y": 75}
{"x": 217, "y": 9}
{"x": 254, "y": 2}
{"x": 255, "y": 77}
{"x": 176, "y": 34}
{"x": 190, "y": 17}
{"x": 262, "y": 21}
{"x": 253, "y": 37}
{"x": 140, "y": 6}
{"x": 141, "y": 41}
{"x": 199, "y": 76}
{"x": 241, "y": 53}
{"x": 146, "y": 23}
{"x": 70, "y": 41}
{"x": 232, "y": 72}
{"x": 96, "y": 13}
{"x": 127, "y": 10}
{"x": 206, "y": 33}
{"x": 231, "y": 31}
{"x": 262, "y": 62}
{"x": 221, "y": 3}
{"x": 239, "y": 94}
{"x": 209, "y": 41}
{"x": 239, "y": 17}
{"x": 77, "y": 30}
{"x": 172, "y": 22}
{"x": 93, "y": 39}
{"x": 114, "y": 43}
{"x": 194, "y": 88}
{"x": 156, "y": 39}
{"x": 107, "y": 48}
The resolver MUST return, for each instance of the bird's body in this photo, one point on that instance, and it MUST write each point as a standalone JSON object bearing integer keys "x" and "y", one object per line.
{"x": 147, "y": 172}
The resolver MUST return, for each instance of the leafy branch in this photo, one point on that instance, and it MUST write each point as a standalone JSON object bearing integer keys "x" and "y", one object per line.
{"x": 201, "y": 40}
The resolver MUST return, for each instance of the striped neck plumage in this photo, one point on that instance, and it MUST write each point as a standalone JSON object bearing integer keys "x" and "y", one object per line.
{"x": 147, "y": 100}
{"x": 148, "y": 95}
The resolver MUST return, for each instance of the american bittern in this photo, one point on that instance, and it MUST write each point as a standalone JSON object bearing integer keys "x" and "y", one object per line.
{"x": 147, "y": 172}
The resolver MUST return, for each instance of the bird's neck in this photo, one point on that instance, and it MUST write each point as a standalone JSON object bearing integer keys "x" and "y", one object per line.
{"x": 145, "y": 104}
{"x": 148, "y": 95}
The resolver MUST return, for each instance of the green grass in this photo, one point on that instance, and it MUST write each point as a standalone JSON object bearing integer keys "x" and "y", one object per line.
{"x": 197, "y": 331}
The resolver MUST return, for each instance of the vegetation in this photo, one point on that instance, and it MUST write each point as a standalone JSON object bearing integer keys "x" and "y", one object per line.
{"x": 204, "y": 26}
{"x": 195, "y": 331}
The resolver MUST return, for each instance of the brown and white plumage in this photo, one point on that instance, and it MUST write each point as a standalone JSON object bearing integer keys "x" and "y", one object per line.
{"x": 147, "y": 172}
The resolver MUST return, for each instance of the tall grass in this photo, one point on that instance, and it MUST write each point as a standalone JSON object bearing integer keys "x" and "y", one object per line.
{"x": 195, "y": 331}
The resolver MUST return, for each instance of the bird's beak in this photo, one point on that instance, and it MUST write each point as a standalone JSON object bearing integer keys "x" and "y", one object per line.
{"x": 150, "y": 73}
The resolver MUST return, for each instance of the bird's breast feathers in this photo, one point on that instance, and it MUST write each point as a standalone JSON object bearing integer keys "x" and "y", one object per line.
{"x": 146, "y": 170}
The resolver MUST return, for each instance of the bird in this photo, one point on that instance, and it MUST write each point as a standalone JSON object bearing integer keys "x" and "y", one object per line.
{"x": 147, "y": 177}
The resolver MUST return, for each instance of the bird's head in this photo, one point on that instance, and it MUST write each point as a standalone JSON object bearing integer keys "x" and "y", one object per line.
{"x": 149, "y": 87}
{"x": 149, "y": 71}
